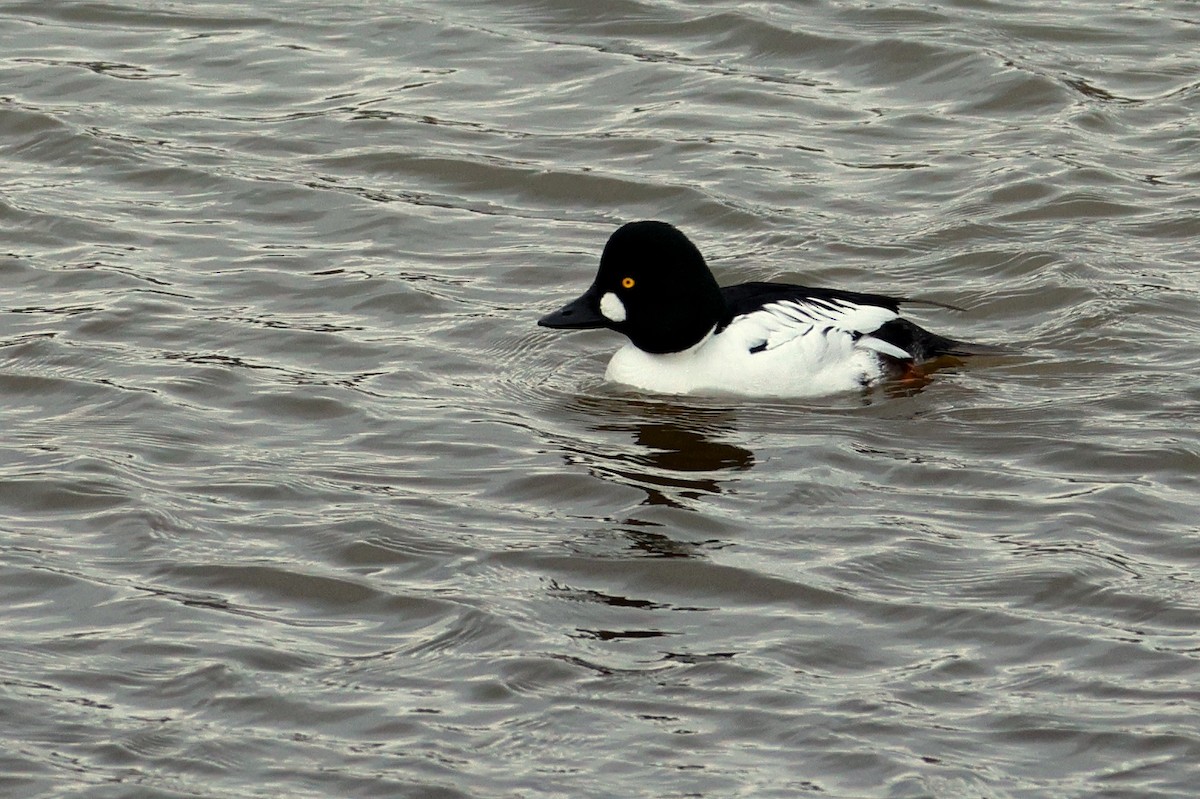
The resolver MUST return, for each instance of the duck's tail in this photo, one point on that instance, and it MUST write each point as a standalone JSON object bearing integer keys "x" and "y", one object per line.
{"x": 925, "y": 346}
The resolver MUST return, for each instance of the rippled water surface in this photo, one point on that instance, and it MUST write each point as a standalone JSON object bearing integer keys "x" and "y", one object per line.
{"x": 296, "y": 500}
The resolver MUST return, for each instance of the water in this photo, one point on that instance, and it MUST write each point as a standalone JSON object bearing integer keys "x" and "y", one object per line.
{"x": 296, "y": 500}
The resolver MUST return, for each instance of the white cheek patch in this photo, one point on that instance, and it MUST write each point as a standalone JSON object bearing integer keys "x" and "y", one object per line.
{"x": 612, "y": 307}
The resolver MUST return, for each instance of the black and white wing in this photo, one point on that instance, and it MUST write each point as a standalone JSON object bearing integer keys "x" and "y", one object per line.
{"x": 770, "y": 315}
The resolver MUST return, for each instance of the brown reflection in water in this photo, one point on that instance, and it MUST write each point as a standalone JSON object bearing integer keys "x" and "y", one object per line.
{"x": 670, "y": 462}
{"x": 687, "y": 450}
{"x": 677, "y": 455}
{"x": 673, "y": 462}
{"x": 677, "y": 450}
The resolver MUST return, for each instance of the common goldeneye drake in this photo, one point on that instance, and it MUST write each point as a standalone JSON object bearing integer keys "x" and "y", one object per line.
{"x": 687, "y": 335}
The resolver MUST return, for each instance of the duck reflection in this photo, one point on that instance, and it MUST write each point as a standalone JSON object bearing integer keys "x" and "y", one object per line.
{"x": 676, "y": 452}
{"x": 684, "y": 449}
{"x": 680, "y": 458}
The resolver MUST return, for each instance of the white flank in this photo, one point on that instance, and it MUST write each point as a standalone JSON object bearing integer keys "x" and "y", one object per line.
{"x": 612, "y": 307}
{"x": 788, "y": 348}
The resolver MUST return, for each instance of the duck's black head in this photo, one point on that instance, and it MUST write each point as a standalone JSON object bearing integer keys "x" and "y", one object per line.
{"x": 653, "y": 286}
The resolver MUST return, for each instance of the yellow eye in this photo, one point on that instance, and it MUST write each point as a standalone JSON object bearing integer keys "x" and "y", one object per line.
{"x": 627, "y": 282}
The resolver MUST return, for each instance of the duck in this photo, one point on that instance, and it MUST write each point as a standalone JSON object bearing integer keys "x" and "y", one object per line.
{"x": 688, "y": 335}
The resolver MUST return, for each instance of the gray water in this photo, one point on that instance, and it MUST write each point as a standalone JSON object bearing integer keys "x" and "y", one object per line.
{"x": 296, "y": 500}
